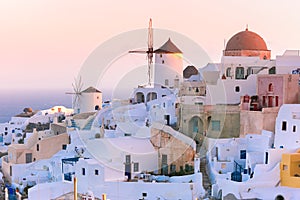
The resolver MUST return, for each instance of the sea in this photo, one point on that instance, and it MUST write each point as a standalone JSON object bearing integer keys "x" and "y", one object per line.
{"x": 12, "y": 102}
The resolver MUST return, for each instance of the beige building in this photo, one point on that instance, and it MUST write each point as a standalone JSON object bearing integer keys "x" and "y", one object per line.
{"x": 176, "y": 151}
{"x": 214, "y": 121}
{"x": 41, "y": 145}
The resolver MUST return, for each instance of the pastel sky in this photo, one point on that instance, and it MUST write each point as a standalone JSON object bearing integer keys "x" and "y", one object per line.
{"x": 44, "y": 43}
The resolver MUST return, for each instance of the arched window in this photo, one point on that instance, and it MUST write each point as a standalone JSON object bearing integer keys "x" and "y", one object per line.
{"x": 272, "y": 70}
{"x": 140, "y": 98}
{"x": 151, "y": 96}
{"x": 271, "y": 89}
{"x": 239, "y": 73}
{"x": 228, "y": 72}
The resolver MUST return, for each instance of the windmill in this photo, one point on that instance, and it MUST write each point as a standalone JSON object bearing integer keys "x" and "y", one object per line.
{"x": 150, "y": 51}
{"x": 77, "y": 87}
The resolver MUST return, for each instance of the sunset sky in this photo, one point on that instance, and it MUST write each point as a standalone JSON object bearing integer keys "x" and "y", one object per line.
{"x": 43, "y": 44}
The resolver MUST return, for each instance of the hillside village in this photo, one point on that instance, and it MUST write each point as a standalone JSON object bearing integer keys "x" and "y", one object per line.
{"x": 227, "y": 130}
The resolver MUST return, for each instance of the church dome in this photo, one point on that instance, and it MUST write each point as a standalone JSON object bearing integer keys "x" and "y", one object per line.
{"x": 246, "y": 40}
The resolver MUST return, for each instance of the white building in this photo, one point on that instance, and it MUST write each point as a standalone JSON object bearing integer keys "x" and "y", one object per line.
{"x": 262, "y": 160}
{"x": 288, "y": 127}
{"x": 288, "y": 63}
{"x": 168, "y": 67}
{"x": 90, "y": 100}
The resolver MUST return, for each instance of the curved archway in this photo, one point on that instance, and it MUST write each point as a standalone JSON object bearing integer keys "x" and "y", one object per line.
{"x": 140, "y": 97}
{"x": 195, "y": 125}
{"x": 151, "y": 96}
{"x": 279, "y": 197}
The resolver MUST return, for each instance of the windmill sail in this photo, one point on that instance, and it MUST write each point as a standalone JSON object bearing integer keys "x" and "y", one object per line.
{"x": 77, "y": 88}
{"x": 149, "y": 52}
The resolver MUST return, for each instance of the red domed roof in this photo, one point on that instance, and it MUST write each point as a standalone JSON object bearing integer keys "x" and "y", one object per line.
{"x": 246, "y": 40}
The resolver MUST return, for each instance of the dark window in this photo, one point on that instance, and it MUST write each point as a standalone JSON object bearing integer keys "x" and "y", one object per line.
{"x": 96, "y": 172}
{"x": 172, "y": 168}
{"x": 239, "y": 73}
{"x": 284, "y": 126}
{"x": 228, "y": 72}
{"x": 271, "y": 87}
{"x": 10, "y": 170}
{"x": 83, "y": 171}
{"x": 215, "y": 125}
{"x": 37, "y": 147}
{"x": 294, "y": 128}
{"x": 28, "y": 157}
{"x": 243, "y": 154}
{"x": 237, "y": 88}
{"x": 127, "y": 159}
{"x": 136, "y": 167}
{"x": 272, "y": 70}
{"x": 64, "y": 146}
{"x": 267, "y": 158}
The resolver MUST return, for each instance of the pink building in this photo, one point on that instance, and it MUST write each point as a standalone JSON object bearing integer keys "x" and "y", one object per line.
{"x": 273, "y": 90}
{"x": 259, "y": 112}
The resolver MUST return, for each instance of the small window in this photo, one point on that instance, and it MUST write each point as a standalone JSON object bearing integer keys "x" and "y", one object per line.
{"x": 223, "y": 166}
{"x": 163, "y": 62}
{"x": 284, "y": 126}
{"x": 215, "y": 125}
{"x": 64, "y": 146}
{"x": 96, "y": 172}
{"x": 228, "y": 72}
{"x": 285, "y": 167}
{"x": 128, "y": 159}
{"x": 160, "y": 55}
{"x": 271, "y": 88}
{"x": 172, "y": 168}
{"x": 135, "y": 167}
{"x": 37, "y": 147}
{"x": 6, "y": 128}
{"x": 294, "y": 128}
{"x": 83, "y": 171}
{"x": 243, "y": 154}
{"x": 237, "y": 88}
{"x": 266, "y": 158}
{"x": 166, "y": 82}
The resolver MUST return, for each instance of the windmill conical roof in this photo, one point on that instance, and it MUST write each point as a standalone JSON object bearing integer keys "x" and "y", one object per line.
{"x": 168, "y": 47}
{"x": 91, "y": 90}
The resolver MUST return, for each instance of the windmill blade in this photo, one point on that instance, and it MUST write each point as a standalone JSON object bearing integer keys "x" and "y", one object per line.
{"x": 75, "y": 102}
{"x": 150, "y": 50}
{"x": 80, "y": 85}
{"x": 137, "y": 51}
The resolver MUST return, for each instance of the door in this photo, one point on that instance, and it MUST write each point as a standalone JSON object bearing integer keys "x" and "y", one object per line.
{"x": 28, "y": 157}
{"x": 164, "y": 164}
{"x": 167, "y": 119}
{"x": 270, "y": 101}
{"x": 128, "y": 166}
